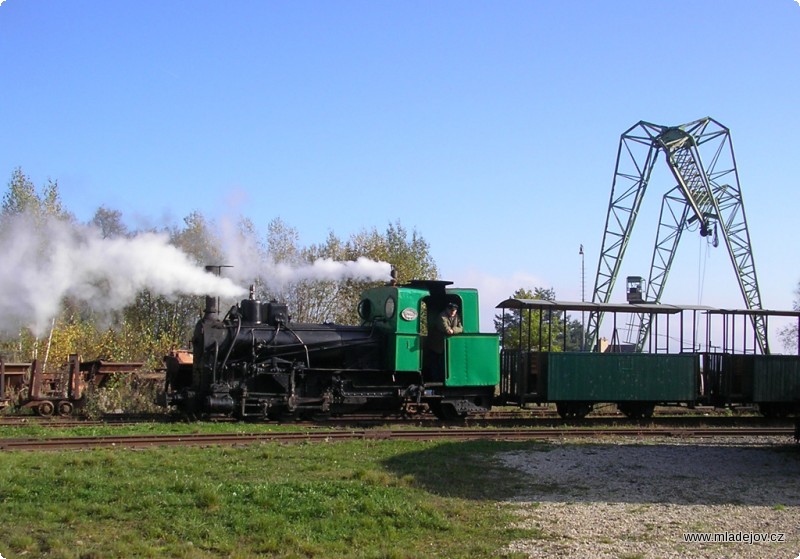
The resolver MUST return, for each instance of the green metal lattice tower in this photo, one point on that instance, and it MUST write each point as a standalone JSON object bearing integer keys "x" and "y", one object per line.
{"x": 707, "y": 194}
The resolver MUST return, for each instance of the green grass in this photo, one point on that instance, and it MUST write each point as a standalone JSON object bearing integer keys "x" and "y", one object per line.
{"x": 37, "y": 430}
{"x": 387, "y": 499}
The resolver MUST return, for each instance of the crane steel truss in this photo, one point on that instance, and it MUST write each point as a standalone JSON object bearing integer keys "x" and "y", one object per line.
{"x": 706, "y": 194}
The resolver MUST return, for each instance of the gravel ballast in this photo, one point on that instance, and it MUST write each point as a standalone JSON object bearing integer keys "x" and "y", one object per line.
{"x": 637, "y": 500}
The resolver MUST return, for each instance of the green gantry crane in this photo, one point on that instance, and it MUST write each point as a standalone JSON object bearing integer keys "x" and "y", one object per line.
{"x": 707, "y": 195}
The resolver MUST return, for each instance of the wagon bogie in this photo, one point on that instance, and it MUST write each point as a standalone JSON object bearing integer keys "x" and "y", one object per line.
{"x": 637, "y": 410}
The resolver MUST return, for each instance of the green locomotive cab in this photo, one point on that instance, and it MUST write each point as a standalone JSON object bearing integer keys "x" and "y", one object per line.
{"x": 396, "y": 311}
{"x": 471, "y": 359}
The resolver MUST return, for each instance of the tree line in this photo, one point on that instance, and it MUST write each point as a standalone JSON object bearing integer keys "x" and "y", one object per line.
{"x": 153, "y": 325}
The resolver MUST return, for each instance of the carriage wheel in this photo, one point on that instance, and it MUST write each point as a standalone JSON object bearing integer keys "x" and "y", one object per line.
{"x": 573, "y": 410}
{"x": 45, "y": 408}
{"x": 637, "y": 410}
{"x": 65, "y": 408}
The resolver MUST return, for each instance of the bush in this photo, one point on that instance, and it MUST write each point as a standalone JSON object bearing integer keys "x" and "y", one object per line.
{"x": 123, "y": 394}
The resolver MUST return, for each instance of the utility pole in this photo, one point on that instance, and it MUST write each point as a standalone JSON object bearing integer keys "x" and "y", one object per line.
{"x": 583, "y": 300}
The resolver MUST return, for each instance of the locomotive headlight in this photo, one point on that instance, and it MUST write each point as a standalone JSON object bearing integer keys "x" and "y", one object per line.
{"x": 388, "y": 308}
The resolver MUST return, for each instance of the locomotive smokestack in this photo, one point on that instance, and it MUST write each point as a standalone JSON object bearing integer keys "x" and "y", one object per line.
{"x": 212, "y": 307}
{"x": 212, "y": 303}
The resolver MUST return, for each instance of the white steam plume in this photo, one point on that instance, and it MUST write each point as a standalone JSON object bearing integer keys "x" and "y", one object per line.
{"x": 328, "y": 269}
{"x": 45, "y": 260}
{"x": 249, "y": 262}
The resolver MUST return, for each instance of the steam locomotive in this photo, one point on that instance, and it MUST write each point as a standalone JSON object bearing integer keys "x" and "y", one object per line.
{"x": 255, "y": 362}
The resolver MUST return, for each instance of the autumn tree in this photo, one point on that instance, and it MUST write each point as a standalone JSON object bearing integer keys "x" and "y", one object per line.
{"x": 23, "y": 202}
{"x": 155, "y": 324}
{"x": 336, "y": 299}
{"x": 408, "y": 253}
{"x": 789, "y": 333}
{"x": 280, "y": 247}
{"x": 78, "y": 329}
{"x": 325, "y": 300}
{"x": 22, "y": 197}
{"x": 538, "y": 330}
{"x": 109, "y": 223}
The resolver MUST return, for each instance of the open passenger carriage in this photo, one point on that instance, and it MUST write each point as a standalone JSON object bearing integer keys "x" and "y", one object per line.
{"x": 689, "y": 355}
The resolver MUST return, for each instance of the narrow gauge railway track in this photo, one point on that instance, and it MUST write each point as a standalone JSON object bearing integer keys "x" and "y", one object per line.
{"x": 59, "y": 423}
{"x": 453, "y": 434}
{"x": 494, "y": 419}
{"x": 41, "y": 422}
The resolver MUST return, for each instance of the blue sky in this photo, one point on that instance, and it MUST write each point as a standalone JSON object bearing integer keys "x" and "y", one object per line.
{"x": 491, "y": 128}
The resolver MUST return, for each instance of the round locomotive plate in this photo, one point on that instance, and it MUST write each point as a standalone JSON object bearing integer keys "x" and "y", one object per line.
{"x": 408, "y": 314}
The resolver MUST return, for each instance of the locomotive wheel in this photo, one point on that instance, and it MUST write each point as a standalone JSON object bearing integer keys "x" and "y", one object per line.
{"x": 65, "y": 408}
{"x": 774, "y": 410}
{"x": 276, "y": 414}
{"x": 767, "y": 410}
{"x": 45, "y": 409}
{"x": 446, "y": 412}
{"x": 573, "y": 410}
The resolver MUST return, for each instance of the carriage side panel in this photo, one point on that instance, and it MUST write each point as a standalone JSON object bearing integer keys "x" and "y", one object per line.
{"x": 622, "y": 377}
